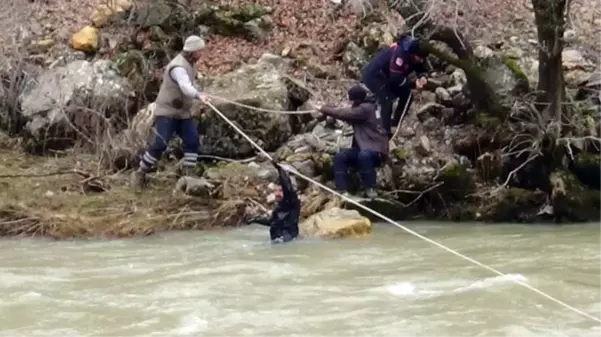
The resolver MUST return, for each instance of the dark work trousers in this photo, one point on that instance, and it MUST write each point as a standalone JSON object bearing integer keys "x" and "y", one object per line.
{"x": 366, "y": 161}
{"x": 165, "y": 128}
{"x": 386, "y": 102}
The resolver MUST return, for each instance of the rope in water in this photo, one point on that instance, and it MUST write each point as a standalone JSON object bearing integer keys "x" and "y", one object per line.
{"x": 298, "y": 112}
{"x": 467, "y": 258}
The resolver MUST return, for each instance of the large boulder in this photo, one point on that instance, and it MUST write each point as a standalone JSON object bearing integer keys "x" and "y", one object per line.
{"x": 261, "y": 85}
{"x": 335, "y": 223}
{"x": 75, "y": 96}
{"x": 502, "y": 72}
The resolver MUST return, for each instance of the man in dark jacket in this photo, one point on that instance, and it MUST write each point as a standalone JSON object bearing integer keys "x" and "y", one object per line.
{"x": 370, "y": 140}
{"x": 386, "y": 77}
{"x": 283, "y": 221}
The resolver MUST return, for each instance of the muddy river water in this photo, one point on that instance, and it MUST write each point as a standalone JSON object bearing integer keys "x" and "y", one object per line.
{"x": 234, "y": 283}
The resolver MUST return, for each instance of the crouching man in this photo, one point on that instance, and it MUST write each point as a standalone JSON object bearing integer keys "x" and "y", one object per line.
{"x": 370, "y": 141}
{"x": 283, "y": 222}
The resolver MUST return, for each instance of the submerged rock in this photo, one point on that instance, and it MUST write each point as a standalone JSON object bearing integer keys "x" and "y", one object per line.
{"x": 335, "y": 223}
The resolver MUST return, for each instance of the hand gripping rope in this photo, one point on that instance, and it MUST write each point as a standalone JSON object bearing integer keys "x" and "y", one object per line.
{"x": 467, "y": 258}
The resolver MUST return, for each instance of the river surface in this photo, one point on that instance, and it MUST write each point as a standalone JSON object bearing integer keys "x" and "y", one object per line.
{"x": 234, "y": 283}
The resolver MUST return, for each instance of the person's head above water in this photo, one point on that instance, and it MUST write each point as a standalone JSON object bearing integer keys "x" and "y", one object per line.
{"x": 357, "y": 94}
{"x": 278, "y": 192}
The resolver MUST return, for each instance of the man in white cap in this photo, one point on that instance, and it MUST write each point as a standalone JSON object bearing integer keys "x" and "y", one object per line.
{"x": 172, "y": 111}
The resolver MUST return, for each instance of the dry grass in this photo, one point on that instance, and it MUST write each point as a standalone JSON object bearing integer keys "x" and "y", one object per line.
{"x": 68, "y": 206}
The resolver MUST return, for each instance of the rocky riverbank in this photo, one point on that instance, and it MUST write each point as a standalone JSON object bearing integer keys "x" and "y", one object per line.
{"x": 75, "y": 121}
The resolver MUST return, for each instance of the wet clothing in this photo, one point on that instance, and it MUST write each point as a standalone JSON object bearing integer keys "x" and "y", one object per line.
{"x": 283, "y": 221}
{"x": 386, "y": 76}
{"x": 370, "y": 141}
{"x": 172, "y": 111}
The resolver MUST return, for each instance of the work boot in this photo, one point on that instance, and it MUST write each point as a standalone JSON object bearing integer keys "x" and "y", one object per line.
{"x": 138, "y": 179}
{"x": 371, "y": 193}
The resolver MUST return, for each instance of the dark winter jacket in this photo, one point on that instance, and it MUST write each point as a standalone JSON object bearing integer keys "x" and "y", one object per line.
{"x": 384, "y": 77}
{"x": 283, "y": 221}
{"x": 365, "y": 118}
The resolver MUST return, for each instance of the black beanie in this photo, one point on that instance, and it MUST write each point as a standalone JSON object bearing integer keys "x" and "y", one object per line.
{"x": 415, "y": 49}
{"x": 357, "y": 93}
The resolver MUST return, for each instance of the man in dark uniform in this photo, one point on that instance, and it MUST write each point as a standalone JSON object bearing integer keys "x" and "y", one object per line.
{"x": 386, "y": 77}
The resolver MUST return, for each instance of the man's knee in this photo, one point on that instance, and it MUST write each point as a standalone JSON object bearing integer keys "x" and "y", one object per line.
{"x": 158, "y": 147}
{"x": 367, "y": 159}
{"x": 341, "y": 158}
{"x": 189, "y": 135}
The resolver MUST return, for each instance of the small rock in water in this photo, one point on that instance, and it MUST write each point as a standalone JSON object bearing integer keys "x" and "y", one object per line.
{"x": 252, "y": 164}
{"x": 49, "y": 194}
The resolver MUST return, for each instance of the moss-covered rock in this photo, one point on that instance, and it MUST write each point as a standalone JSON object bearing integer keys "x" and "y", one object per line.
{"x": 375, "y": 35}
{"x": 587, "y": 167}
{"x": 571, "y": 200}
{"x": 503, "y": 73}
{"x": 250, "y": 21}
{"x": 512, "y": 205}
{"x": 324, "y": 165}
{"x": 458, "y": 182}
{"x": 354, "y": 58}
{"x": 169, "y": 15}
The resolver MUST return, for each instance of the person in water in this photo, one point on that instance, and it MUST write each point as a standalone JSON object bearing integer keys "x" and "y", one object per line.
{"x": 283, "y": 222}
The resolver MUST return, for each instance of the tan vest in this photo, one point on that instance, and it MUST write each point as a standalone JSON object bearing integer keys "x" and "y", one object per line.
{"x": 170, "y": 100}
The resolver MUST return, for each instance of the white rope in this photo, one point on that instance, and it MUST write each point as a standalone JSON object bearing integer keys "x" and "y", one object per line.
{"x": 467, "y": 258}
{"x": 280, "y": 112}
{"x": 398, "y": 125}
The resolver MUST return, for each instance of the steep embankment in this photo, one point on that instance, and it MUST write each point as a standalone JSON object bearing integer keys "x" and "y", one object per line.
{"x": 448, "y": 162}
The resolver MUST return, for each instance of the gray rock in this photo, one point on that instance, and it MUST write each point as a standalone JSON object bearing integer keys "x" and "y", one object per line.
{"x": 198, "y": 187}
{"x": 75, "y": 87}
{"x": 260, "y": 85}
{"x": 458, "y": 77}
{"x": 429, "y": 110}
{"x": 443, "y": 96}
{"x": 354, "y": 57}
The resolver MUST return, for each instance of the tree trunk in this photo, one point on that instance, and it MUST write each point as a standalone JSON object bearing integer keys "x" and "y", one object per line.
{"x": 550, "y": 24}
{"x": 417, "y": 19}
